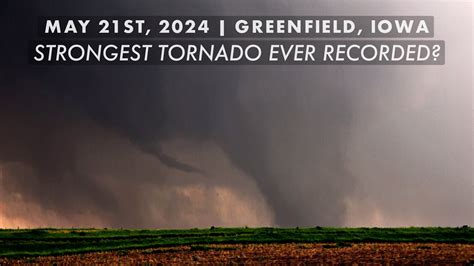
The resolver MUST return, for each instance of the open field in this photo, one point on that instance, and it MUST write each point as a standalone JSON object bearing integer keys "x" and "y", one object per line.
{"x": 405, "y": 253}
{"x": 237, "y": 244}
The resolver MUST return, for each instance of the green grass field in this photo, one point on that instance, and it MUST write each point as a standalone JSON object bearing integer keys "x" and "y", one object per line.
{"x": 43, "y": 242}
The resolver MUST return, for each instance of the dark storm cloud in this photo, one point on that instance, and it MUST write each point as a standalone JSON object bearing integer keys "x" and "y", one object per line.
{"x": 151, "y": 105}
{"x": 82, "y": 139}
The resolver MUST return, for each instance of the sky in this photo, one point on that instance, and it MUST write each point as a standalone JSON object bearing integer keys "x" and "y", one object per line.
{"x": 200, "y": 146}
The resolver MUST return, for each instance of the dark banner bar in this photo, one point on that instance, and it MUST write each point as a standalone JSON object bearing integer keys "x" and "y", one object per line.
{"x": 237, "y": 27}
{"x": 278, "y": 52}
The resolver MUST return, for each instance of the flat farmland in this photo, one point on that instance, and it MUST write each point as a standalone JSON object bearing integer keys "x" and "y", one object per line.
{"x": 238, "y": 245}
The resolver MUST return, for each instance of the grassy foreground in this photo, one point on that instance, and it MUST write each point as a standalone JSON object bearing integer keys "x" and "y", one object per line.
{"x": 44, "y": 242}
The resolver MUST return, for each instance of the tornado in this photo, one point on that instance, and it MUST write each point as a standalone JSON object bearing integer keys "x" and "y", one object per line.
{"x": 200, "y": 146}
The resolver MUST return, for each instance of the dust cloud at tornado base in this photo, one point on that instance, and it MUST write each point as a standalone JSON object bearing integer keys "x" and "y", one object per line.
{"x": 195, "y": 146}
